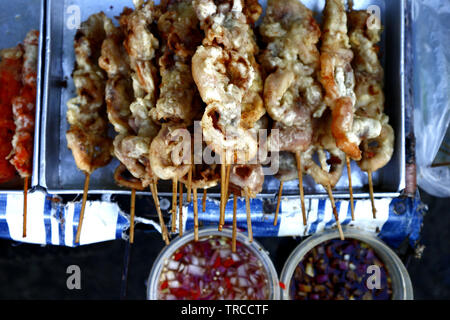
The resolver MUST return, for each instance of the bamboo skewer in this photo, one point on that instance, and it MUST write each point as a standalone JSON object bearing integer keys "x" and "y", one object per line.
{"x": 222, "y": 191}
{"x": 336, "y": 215}
{"x": 194, "y": 191}
{"x": 180, "y": 211}
{"x": 277, "y": 210}
{"x": 226, "y": 194}
{"x": 132, "y": 209}
{"x": 300, "y": 185}
{"x": 234, "y": 232}
{"x": 25, "y": 205}
{"x": 249, "y": 219}
{"x": 374, "y": 209}
{"x": 349, "y": 172}
{"x": 83, "y": 206}
{"x": 204, "y": 200}
{"x": 174, "y": 203}
{"x": 164, "y": 233}
{"x": 189, "y": 184}
{"x": 333, "y": 205}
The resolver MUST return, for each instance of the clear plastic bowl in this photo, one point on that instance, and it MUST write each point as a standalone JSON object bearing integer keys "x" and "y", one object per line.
{"x": 254, "y": 247}
{"x": 401, "y": 283}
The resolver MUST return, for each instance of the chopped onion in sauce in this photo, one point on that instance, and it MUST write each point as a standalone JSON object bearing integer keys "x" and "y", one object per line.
{"x": 209, "y": 270}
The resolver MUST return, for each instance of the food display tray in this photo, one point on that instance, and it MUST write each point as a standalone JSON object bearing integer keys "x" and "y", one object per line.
{"x": 17, "y": 18}
{"x": 59, "y": 174}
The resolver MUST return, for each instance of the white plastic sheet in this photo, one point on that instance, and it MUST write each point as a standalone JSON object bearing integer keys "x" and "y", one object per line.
{"x": 431, "y": 43}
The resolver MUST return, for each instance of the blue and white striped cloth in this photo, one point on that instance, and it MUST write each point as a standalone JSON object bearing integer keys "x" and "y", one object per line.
{"x": 51, "y": 222}
{"x": 396, "y": 219}
{"x": 55, "y": 223}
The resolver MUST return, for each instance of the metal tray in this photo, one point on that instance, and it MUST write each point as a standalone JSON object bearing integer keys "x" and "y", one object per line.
{"x": 59, "y": 174}
{"x": 16, "y": 19}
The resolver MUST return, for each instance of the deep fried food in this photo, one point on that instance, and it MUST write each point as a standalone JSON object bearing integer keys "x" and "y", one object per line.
{"x": 291, "y": 60}
{"x": 88, "y": 137}
{"x": 24, "y": 109}
{"x": 132, "y": 147}
{"x": 227, "y": 76}
{"x": 377, "y": 149}
{"x": 10, "y": 84}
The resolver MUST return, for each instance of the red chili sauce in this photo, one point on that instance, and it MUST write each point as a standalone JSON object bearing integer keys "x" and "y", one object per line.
{"x": 209, "y": 270}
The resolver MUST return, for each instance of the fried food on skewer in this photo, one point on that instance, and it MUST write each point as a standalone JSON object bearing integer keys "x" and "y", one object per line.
{"x": 11, "y": 65}
{"x": 337, "y": 76}
{"x": 229, "y": 80}
{"x": 364, "y": 37}
{"x": 132, "y": 147}
{"x": 178, "y": 103}
{"x": 86, "y": 114}
{"x": 24, "y": 111}
{"x": 291, "y": 59}
{"x": 330, "y": 168}
{"x": 338, "y": 79}
{"x": 119, "y": 96}
{"x": 369, "y": 90}
{"x": 228, "y": 77}
{"x": 88, "y": 134}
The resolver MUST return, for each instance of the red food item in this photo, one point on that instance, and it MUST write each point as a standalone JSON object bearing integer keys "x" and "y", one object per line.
{"x": 10, "y": 86}
{"x": 217, "y": 262}
{"x": 24, "y": 108}
{"x": 282, "y": 285}
{"x": 164, "y": 285}
{"x": 228, "y": 263}
{"x": 178, "y": 256}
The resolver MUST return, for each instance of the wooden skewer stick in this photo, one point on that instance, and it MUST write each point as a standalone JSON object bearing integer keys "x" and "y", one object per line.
{"x": 25, "y": 205}
{"x": 336, "y": 215}
{"x": 374, "y": 209}
{"x": 83, "y": 206}
{"x": 164, "y": 233}
{"x": 333, "y": 204}
{"x": 349, "y": 172}
{"x": 174, "y": 203}
{"x": 132, "y": 209}
{"x": 280, "y": 191}
{"x": 194, "y": 191}
{"x": 226, "y": 194}
{"x": 222, "y": 191}
{"x": 249, "y": 219}
{"x": 233, "y": 242}
{"x": 300, "y": 185}
{"x": 204, "y": 200}
{"x": 189, "y": 184}
{"x": 180, "y": 211}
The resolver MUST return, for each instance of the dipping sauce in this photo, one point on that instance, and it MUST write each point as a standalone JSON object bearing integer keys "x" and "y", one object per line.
{"x": 339, "y": 270}
{"x": 209, "y": 270}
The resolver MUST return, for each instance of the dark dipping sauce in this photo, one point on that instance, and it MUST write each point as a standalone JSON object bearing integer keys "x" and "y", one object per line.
{"x": 338, "y": 270}
{"x": 209, "y": 270}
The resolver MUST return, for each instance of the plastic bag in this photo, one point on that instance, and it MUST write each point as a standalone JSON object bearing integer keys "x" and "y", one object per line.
{"x": 431, "y": 43}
